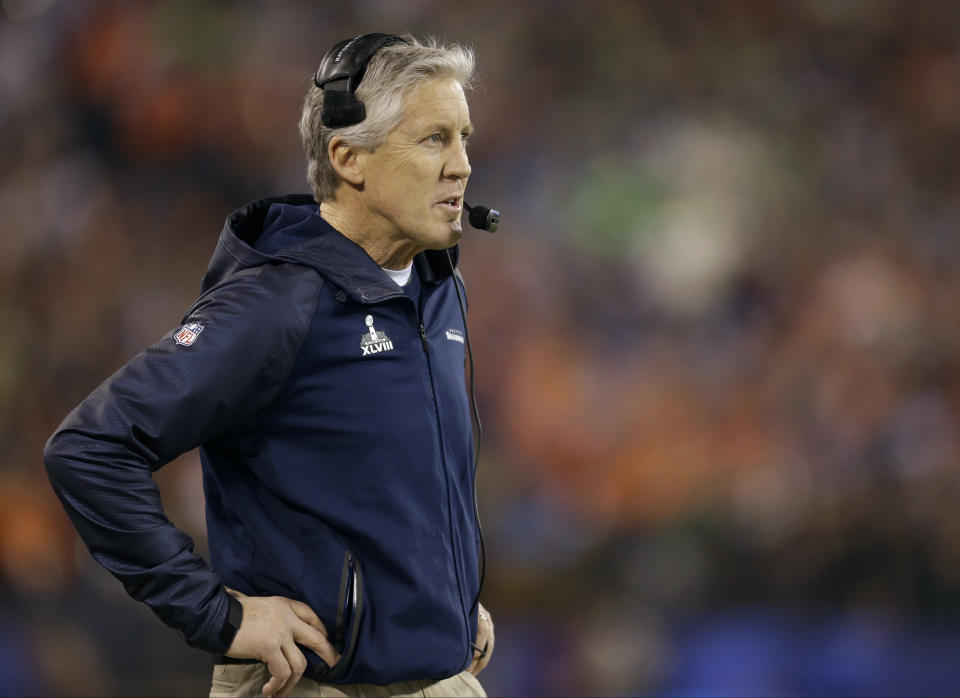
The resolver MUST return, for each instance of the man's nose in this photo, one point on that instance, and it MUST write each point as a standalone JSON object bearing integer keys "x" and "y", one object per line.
{"x": 458, "y": 164}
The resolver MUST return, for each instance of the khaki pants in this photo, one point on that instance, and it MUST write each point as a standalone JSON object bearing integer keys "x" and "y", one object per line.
{"x": 232, "y": 680}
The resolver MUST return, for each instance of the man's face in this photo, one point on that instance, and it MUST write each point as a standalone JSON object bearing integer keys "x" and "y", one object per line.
{"x": 414, "y": 182}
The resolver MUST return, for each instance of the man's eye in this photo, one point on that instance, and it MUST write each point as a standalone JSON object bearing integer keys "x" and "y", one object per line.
{"x": 435, "y": 138}
{"x": 465, "y": 138}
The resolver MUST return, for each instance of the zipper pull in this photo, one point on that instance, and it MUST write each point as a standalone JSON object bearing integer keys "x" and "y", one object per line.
{"x": 423, "y": 336}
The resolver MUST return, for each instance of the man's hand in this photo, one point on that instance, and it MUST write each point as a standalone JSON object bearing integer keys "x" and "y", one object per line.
{"x": 269, "y": 631}
{"x": 483, "y": 645}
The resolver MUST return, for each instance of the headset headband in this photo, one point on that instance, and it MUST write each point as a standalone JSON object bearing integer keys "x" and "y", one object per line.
{"x": 340, "y": 73}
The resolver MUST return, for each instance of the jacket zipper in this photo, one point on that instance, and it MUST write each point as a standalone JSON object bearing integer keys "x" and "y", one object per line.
{"x": 423, "y": 338}
{"x": 446, "y": 477}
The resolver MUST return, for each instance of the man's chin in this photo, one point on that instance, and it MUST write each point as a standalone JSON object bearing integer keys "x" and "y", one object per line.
{"x": 450, "y": 238}
{"x": 456, "y": 232}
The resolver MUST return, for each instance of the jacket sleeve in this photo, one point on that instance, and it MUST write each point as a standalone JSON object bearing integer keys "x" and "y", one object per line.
{"x": 165, "y": 401}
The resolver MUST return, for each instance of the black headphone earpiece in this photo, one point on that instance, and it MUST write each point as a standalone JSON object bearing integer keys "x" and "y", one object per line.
{"x": 340, "y": 73}
{"x": 341, "y": 108}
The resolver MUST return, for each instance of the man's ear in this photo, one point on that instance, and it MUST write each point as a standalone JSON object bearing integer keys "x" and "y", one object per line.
{"x": 343, "y": 157}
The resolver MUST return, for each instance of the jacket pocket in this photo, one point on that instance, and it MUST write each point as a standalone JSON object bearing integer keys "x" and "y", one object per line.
{"x": 349, "y": 612}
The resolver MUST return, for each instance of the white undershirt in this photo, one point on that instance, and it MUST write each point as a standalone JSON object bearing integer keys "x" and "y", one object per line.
{"x": 402, "y": 276}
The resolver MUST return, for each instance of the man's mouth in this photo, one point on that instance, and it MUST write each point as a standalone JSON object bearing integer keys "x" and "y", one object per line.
{"x": 454, "y": 204}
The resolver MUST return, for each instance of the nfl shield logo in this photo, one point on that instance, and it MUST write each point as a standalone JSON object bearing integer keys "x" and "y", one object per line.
{"x": 188, "y": 334}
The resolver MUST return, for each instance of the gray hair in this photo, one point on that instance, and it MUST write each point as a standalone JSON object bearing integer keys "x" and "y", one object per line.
{"x": 391, "y": 74}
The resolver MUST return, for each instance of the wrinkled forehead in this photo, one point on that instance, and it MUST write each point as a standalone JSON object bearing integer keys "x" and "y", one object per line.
{"x": 440, "y": 99}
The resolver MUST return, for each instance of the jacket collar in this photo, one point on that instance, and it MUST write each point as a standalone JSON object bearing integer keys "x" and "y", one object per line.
{"x": 330, "y": 253}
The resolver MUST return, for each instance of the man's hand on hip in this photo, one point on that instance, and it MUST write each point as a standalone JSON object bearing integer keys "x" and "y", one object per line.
{"x": 483, "y": 645}
{"x": 269, "y": 631}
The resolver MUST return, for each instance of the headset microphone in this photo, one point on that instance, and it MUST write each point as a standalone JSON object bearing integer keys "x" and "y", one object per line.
{"x": 483, "y": 218}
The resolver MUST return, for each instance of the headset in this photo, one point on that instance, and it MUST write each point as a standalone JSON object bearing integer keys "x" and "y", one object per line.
{"x": 339, "y": 76}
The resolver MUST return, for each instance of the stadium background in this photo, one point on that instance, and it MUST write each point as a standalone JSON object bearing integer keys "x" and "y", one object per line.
{"x": 717, "y": 335}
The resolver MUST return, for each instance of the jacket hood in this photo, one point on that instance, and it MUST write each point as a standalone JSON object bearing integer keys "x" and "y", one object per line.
{"x": 297, "y": 234}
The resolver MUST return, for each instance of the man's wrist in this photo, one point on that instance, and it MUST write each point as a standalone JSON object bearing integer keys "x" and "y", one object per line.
{"x": 232, "y": 623}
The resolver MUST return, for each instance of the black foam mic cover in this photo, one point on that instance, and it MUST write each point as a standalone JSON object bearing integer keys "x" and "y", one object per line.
{"x": 341, "y": 108}
{"x": 484, "y": 218}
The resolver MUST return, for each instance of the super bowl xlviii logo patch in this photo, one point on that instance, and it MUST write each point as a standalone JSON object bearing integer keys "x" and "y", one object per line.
{"x": 188, "y": 334}
{"x": 374, "y": 341}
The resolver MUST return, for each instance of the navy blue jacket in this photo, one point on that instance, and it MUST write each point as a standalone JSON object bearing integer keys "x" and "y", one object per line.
{"x": 335, "y": 436}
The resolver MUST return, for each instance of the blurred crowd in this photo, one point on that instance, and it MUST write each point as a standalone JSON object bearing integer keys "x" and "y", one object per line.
{"x": 717, "y": 336}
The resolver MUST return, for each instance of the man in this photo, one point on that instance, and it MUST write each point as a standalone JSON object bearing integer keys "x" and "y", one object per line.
{"x": 321, "y": 373}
